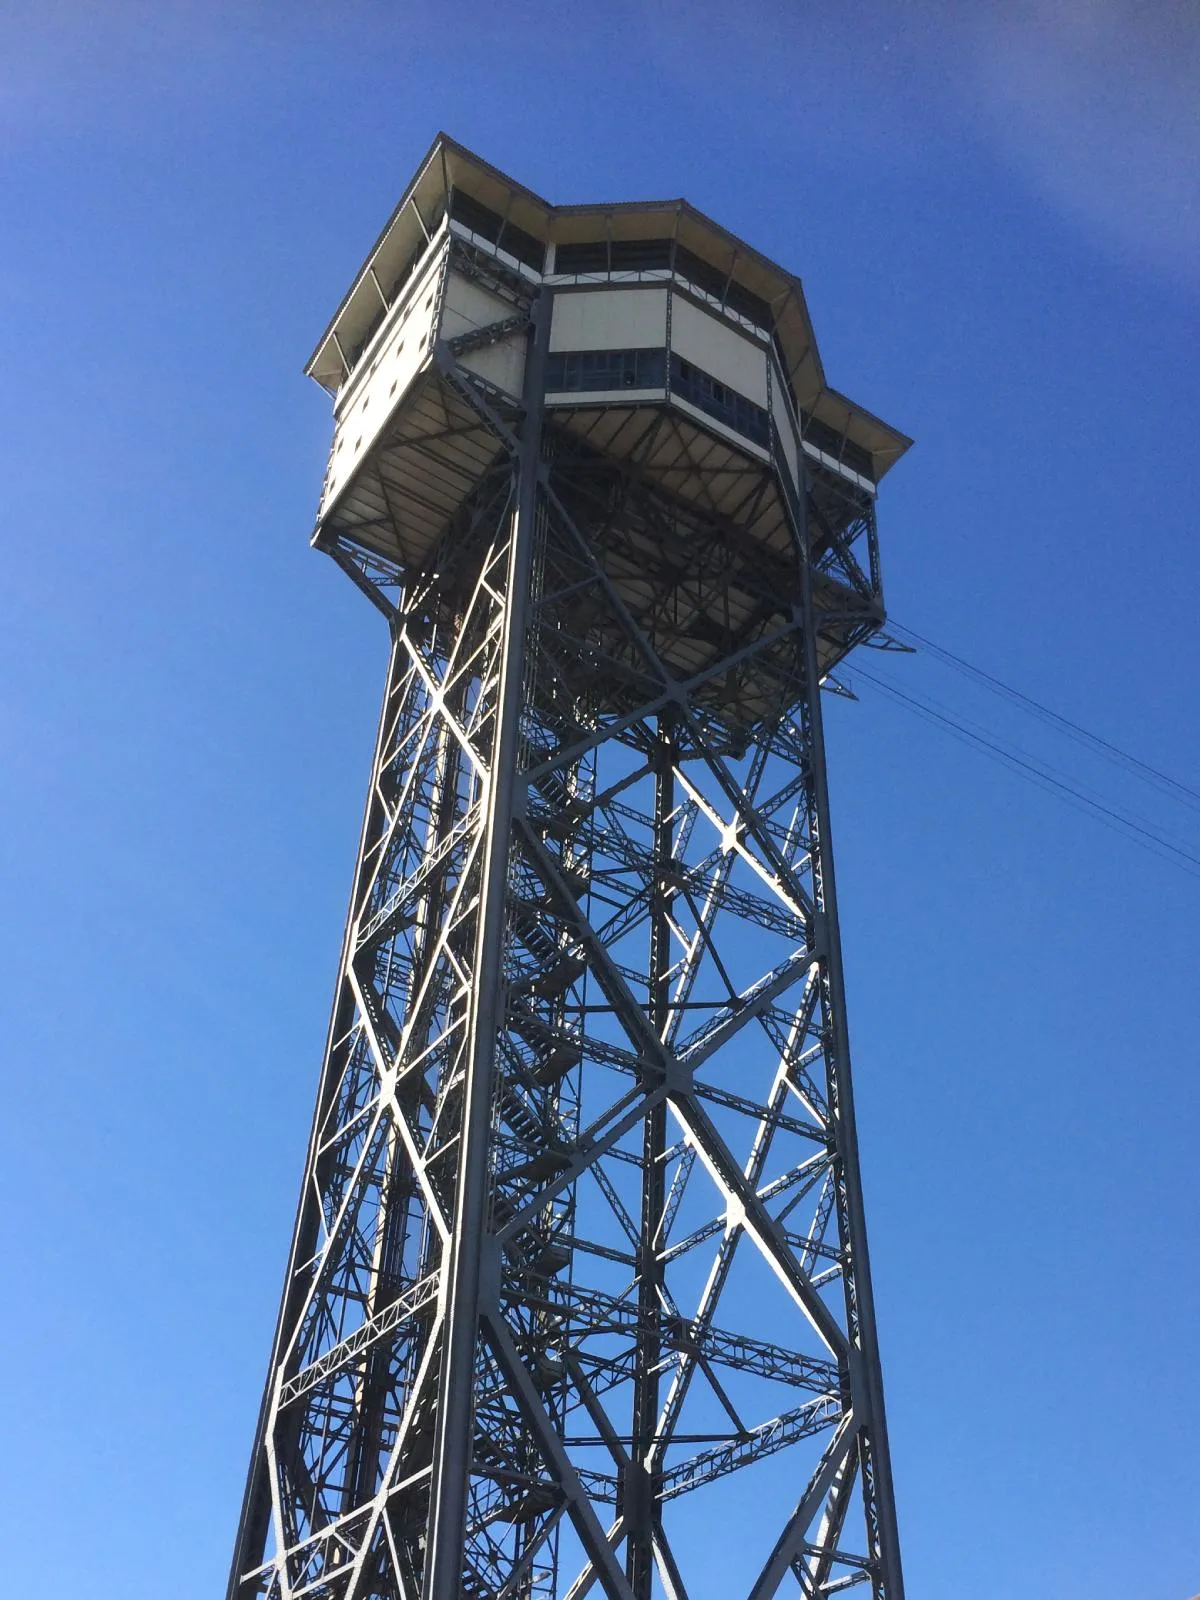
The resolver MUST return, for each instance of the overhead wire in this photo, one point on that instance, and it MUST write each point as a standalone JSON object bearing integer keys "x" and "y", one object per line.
{"x": 1105, "y": 747}
{"x": 1019, "y": 756}
{"x": 1063, "y": 786}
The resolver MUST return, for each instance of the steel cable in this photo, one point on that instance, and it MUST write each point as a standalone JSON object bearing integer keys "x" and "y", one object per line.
{"x": 1139, "y": 829}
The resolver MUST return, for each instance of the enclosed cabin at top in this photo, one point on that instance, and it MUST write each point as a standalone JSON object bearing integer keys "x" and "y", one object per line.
{"x": 676, "y": 352}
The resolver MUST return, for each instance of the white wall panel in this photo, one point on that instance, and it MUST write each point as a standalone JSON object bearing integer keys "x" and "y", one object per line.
{"x": 399, "y": 351}
{"x": 609, "y": 319}
{"x": 500, "y": 364}
{"x": 719, "y": 349}
{"x": 470, "y": 306}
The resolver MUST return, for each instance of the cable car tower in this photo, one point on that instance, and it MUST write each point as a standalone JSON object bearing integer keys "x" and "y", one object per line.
{"x": 578, "y": 1299}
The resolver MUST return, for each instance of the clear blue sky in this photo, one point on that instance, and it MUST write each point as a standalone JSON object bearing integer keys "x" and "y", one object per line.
{"x": 998, "y": 226}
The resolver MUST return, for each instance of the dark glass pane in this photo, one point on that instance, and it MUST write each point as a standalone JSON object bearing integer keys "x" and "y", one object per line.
{"x": 640, "y": 255}
{"x": 490, "y": 225}
{"x": 472, "y": 214}
{"x": 718, "y": 400}
{"x": 592, "y": 257}
{"x": 748, "y": 305}
{"x": 832, "y": 443}
{"x": 595, "y": 370}
{"x": 705, "y": 277}
{"x": 524, "y": 246}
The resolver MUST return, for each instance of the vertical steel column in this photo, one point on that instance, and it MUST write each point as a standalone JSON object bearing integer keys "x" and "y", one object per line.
{"x": 876, "y": 1473}
{"x": 639, "y": 1507}
{"x": 461, "y": 1282}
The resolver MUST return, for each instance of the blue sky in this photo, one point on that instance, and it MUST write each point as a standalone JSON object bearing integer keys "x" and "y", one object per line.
{"x": 995, "y": 213}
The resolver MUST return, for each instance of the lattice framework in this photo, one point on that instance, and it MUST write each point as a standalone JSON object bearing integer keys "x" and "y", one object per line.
{"x": 581, "y": 1230}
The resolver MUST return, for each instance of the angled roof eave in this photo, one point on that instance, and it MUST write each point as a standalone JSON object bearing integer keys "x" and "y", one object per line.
{"x": 434, "y": 177}
{"x": 446, "y": 163}
{"x": 885, "y": 443}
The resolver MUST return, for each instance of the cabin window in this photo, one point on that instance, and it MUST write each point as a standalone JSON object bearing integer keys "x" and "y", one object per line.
{"x": 835, "y": 444}
{"x": 490, "y": 225}
{"x": 717, "y": 399}
{"x": 582, "y": 258}
{"x": 594, "y": 370}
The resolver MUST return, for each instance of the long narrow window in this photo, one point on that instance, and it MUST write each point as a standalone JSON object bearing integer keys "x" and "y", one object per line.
{"x": 594, "y": 257}
{"x": 582, "y": 258}
{"x": 490, "y": 225}
{"x": 718, "y": 284}
{"x": 618, "y": 255}
{"x": 595, "y": 370}
{"x": 640, "y": 255}
{"x": 718, "y": 400}
{"x": 697, "y": 271}
{"x": 836, "y": 445}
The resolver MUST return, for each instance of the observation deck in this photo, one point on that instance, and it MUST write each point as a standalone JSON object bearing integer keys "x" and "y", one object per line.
{"x": 678, "y": 356}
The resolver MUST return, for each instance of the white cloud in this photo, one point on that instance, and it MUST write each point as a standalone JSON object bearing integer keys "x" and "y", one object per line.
{"x": 1092, "y": 104}
{"x": 1097, "y": 104}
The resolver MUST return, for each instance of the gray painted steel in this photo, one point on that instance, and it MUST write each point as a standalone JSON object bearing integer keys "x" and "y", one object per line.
{"x": 578, "y": 1292}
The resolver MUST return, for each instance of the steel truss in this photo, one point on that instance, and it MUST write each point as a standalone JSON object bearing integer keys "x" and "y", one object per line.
{"x": 581, "y": 1230}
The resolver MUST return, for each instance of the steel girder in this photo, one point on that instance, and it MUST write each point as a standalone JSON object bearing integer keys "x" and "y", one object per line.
{"x": 580, "y": 1241}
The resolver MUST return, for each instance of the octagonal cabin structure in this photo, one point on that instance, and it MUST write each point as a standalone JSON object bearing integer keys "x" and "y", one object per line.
{"x": 680, "y": 360}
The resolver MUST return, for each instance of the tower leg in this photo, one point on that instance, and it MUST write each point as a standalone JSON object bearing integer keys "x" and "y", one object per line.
{"x": 463, "y": 1272}
{"x": 873, "y": 1453}
{"x": 582, "y": 1227}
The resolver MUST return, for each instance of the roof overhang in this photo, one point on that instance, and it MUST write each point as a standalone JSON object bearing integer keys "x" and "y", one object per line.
{"x": 449, "y": 165}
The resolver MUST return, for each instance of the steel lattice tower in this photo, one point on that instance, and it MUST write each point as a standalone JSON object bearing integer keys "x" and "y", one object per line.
{"x": 578, "y": 1299}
